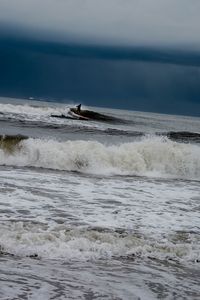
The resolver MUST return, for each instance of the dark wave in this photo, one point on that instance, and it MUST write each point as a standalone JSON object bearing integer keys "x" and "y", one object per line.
{"x": 184, "y": 136}
{"x": 90, "y": 115}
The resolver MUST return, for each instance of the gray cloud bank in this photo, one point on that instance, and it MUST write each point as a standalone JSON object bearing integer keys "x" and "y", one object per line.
{"x": 124, "y": 22}
{"x": 140, "y": 79}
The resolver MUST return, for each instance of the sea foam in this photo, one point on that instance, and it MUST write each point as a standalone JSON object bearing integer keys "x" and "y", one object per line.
{"x": 152, "y": 156}
{"x": 68, "y": 243}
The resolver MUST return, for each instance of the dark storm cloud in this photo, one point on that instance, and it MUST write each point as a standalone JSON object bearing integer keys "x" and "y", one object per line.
{"x": 101, "y": 77}
{"x": 9, "y": 40}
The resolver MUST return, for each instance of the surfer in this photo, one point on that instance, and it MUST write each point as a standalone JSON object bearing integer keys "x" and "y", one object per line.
{"x": 78, "y": 108}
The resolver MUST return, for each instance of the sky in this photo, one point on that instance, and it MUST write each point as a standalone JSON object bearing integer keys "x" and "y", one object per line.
{"x": 132, "y": 54}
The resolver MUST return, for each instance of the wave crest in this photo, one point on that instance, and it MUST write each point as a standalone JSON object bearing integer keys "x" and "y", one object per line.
{"x": 153, "y": 156}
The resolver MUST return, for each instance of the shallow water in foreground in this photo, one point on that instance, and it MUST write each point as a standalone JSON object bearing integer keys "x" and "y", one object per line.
{"x": 98, "y": 211}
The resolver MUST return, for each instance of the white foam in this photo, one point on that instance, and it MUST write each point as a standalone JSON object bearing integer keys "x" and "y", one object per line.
{"x": 154, "y": 156}
{"x": 30, "y": 110}
{"x": 62, "y": 242}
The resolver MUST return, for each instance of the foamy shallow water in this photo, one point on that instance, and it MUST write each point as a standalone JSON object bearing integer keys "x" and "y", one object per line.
{"x": 132, "y": 232}
{"x": 93, "y": 219}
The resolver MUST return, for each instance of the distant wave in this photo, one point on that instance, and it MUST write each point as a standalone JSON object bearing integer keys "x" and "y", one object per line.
{"x": 37, "y": 112}
{"x": 59, "y": 118}
{"x": 185, "y": 136}
{"x": 88, "y": 115}
{"x": 153, "y": 156}
{"x": 86, "y": 243}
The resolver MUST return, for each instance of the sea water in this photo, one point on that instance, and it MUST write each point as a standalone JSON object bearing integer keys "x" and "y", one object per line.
{"x": 98, "y": 210}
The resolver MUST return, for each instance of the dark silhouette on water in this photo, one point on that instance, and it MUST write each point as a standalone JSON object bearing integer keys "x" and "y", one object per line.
{"x": 78, "y": 108}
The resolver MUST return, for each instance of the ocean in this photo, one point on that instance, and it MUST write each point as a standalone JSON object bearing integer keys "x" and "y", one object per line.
{"x": 101, "y": 208}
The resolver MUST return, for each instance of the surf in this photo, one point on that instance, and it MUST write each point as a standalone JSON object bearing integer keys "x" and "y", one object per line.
{"x": 26, "y": 239}
{"x": 151, "y": 156}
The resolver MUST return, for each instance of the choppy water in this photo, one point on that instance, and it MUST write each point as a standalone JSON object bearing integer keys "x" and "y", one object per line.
{"x": 95, "y": 209}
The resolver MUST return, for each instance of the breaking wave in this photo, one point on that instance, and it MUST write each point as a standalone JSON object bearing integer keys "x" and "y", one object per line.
{"x": 76, "y": 243}
{"x": 152, "y": 156}
{"x": 49, "y": 113}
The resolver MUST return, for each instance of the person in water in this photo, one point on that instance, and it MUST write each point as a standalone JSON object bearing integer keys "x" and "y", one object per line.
{"x": 78, "y": 108}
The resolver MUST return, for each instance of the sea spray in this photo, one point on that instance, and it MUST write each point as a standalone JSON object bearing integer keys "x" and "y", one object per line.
{"x": 152, "y": 156}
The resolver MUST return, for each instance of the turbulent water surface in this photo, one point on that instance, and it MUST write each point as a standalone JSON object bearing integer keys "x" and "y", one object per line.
{"x": 105, "y": 208}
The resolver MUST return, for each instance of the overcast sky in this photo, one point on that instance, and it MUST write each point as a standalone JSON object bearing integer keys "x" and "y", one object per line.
{"x": 129, "y": 22}
{"x": 58, "y": 50}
